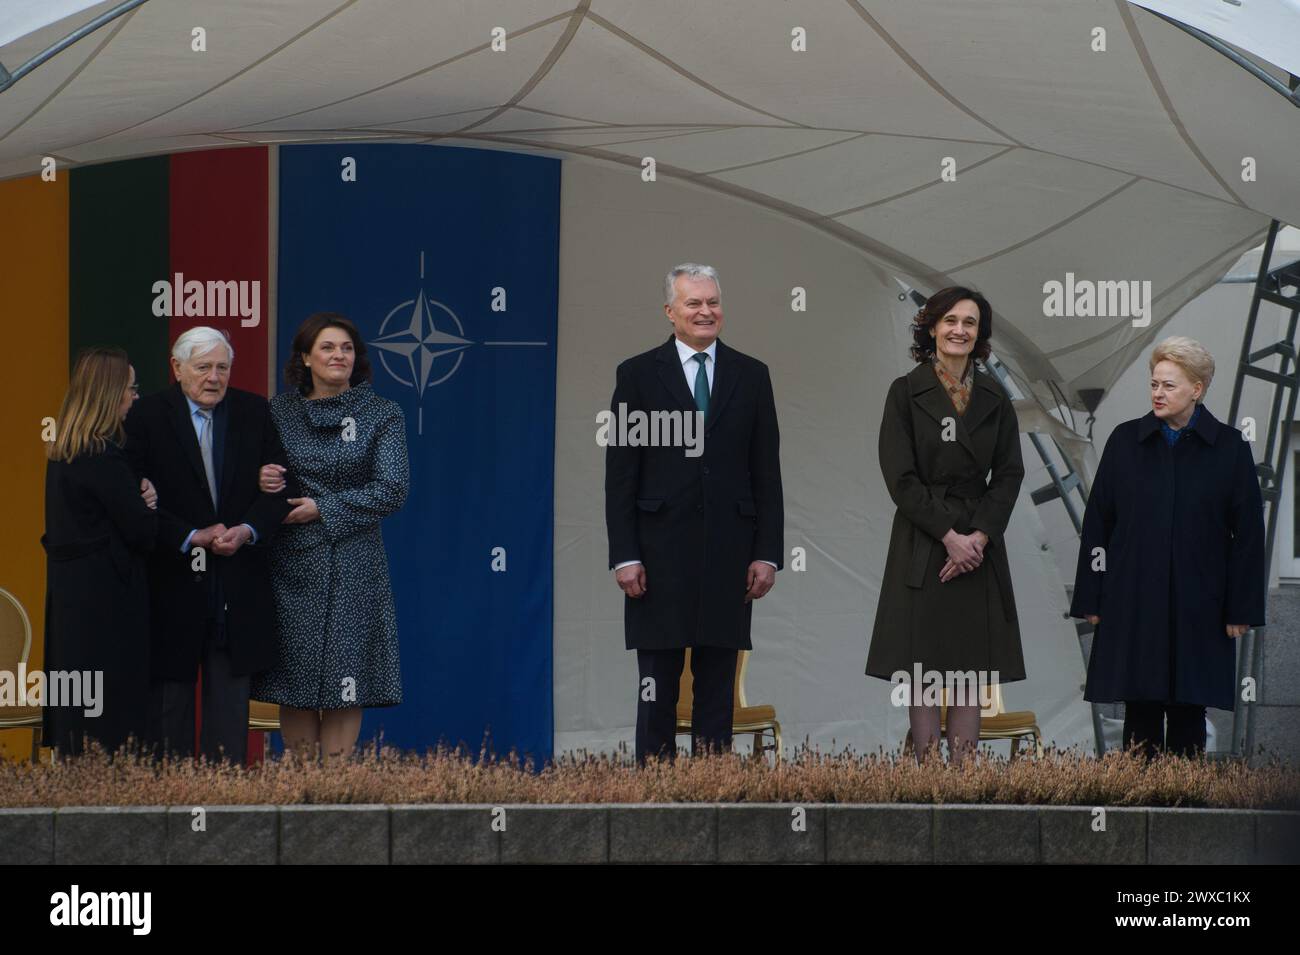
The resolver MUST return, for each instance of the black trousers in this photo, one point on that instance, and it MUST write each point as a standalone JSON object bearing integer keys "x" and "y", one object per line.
{"x": 224, "y": 734}
{"x": 1144, "y": 722}
{"x": 714, "y": 673}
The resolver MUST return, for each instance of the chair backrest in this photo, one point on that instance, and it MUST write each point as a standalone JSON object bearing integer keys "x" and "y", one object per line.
{"x": 685, "y": 689}
{"x": 15, "y": 632}
{"x": 994, "y": 696}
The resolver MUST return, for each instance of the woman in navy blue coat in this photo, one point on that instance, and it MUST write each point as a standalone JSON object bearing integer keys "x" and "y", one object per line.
{"x": 1171, "y": 560}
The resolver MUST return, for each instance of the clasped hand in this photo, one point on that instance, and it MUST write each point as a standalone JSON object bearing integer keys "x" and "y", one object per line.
{"x": 222, "y": 540}
{"x": 965, "y": 553}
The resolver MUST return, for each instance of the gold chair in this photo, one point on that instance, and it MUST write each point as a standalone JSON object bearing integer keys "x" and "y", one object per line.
{"x": 263, "y": 717}
{"x": 15, "y": 647}
{"x": 758, "y": 720}
{"x": 995, "y": 723}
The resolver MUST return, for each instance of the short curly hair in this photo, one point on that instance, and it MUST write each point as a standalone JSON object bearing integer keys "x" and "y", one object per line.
{"x": 940, "y": 304}
{"x": 1191, "y": 356}
{"x": 298, "y": 376}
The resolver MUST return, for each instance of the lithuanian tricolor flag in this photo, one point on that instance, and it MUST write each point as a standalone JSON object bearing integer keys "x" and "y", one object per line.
{"x": 79, "y": 259}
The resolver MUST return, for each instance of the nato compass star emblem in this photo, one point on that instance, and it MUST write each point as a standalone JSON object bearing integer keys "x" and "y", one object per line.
{"x": 428, "y": 345}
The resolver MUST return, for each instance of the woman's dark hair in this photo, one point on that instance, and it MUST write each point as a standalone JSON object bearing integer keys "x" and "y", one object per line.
{"x": 298, "y": 375}
{"x": 940, "y": 304}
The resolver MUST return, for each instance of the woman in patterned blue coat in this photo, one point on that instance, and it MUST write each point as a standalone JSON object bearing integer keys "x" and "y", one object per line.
{"x": 346, "y": 451}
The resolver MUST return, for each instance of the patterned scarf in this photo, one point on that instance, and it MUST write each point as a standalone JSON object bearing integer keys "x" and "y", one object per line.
{"x": 958, "y": 391}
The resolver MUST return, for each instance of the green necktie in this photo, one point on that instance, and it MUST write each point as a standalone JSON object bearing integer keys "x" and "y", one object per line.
{"x": 702, "y": 385}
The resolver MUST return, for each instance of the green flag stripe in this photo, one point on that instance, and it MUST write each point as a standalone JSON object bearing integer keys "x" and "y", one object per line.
{"x": 118, "y": 247}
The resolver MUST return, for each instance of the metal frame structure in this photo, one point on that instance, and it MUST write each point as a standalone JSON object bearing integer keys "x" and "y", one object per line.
{"x": 1291, "y": 94}
{"x": 8, "y": 79}
{"x": 1270, "y": 286}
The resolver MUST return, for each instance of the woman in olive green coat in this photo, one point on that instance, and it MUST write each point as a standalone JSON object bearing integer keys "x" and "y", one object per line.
{"x": 946, "y": 604}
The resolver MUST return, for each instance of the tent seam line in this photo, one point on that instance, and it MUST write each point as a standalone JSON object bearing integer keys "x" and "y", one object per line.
{"x": 117, "y": 28}
{"x": 1158, "y": 87}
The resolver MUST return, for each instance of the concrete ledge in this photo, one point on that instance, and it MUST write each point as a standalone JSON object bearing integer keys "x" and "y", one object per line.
{"x": 648, "y": 833}
{"x": 334, "y": 835}
{"x": 754, "y": 832}
{"x": 868, "y": 833}
{"x": 230, "y": 835}
{"x": 26, "y": 836}
{"x": 554, "y": 834}
{"x": 435, "y": 835}
{"x": 654, "y": 832}
{"x": 1073, "y": 835}
{"x": 109, "y": 835}
{"x": 1004, "y": 834}
{"x": 1201, "y": 837}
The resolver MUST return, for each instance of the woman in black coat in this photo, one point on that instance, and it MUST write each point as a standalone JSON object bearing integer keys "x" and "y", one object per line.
{"x": 99, "y": 523}
{"x": 1171, "y": 559}
{"x": 946, "y": 604}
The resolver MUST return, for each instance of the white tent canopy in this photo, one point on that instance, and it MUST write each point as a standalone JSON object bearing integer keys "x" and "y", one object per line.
{"x": 1265, "y": 28}
{"x": 1088, "y": 138}
{"x": 1115, "y": 164}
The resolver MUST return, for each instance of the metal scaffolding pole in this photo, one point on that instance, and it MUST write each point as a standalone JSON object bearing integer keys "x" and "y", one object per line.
{"x": 1270, "y": 286}
{"x": 8, "y": 79}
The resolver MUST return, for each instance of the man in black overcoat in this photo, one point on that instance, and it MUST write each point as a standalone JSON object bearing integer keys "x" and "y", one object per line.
{"x": 201, "y": 443}
{"x": 695, "y": 527}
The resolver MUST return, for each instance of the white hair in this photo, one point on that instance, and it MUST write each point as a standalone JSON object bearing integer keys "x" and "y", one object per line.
{"x": 199, "y": 341}
{"x": 690, "y": 270}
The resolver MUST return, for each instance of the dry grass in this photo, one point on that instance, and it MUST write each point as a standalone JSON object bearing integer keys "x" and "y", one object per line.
{"x": 385, "y": 775}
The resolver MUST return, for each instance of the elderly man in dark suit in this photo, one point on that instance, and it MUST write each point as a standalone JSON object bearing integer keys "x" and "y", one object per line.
{"x": 201, "y": 443}
{"x": 695, "y": 532}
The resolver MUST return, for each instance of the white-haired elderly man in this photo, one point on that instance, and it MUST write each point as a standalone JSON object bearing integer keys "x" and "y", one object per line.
{"x": 202, "y": 443}
{"x": 694, "y": 538}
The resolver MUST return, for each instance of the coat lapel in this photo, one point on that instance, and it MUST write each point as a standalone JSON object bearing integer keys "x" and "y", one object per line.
{"x": 984, "y": 399}
{"x": 221, "y": 434}
{"x": 930, "y": 396}
{"x": 670, "y": 373}
{"x": 726, "y": 373}
{"x": 1208, "y": 426}
{"x": 184, "y": 427}
{"x": 928, "y": 393}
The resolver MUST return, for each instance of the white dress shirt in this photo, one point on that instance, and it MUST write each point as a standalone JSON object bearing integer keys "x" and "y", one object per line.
{"x": 692, "y": 367}
{"x": 197, "y": 420}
